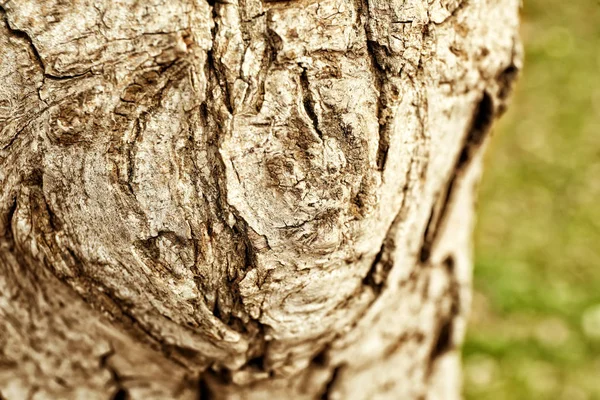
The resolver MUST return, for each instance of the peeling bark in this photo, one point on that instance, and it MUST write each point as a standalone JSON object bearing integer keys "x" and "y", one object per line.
{"x": 242, "y": 200}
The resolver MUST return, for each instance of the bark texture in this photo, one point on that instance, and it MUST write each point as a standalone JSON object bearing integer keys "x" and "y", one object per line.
{"x": 246, "y": 199}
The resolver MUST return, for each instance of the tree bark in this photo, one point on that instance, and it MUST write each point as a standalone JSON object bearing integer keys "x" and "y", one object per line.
{"x": 242, "y": 200}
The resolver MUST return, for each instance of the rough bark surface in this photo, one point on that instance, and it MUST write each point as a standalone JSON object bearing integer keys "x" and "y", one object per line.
{"x": 245, "y": 199}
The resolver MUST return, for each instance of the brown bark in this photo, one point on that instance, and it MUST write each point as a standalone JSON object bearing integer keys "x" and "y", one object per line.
{"x": 242, "y": 200}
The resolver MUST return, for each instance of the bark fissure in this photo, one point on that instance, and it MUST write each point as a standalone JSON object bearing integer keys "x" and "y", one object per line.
{"x": 378, "y": 70}
{"x": 383, "y": 263}
{"x": 479, "y": 128}
{"x": 308, "y": 102}
{"x": 120, "y": 392}
{"x": 330, "y": 384}
{"x": 204, "y": 392}
{"x": 445, "y": 340}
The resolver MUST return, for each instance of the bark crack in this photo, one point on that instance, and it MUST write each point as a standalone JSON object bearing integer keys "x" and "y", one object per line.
{"x": 383, "y": 263}
{"x": 121, "y": 392}
{"x": 309, "y": 102}
{"x": 379, "y": 76}
{"x": 330, "y": 384}
{"x": 444, "y": 338}
{"x": 480, "y": 126}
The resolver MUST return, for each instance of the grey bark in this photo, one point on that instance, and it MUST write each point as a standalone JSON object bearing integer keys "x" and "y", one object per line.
{"x": 242, "y": 200}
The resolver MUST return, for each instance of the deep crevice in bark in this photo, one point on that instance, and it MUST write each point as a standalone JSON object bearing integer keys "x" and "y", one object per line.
{"x": 330, "y": 385}
{"x": 308, "y": 102}
{"x": 321, "y": 359}
{"x": 443, "y": 343}
{"x": 383, "y": 262}
{"x": 444, "y": 339}
{"x": 506, "y": 80}
{"x": 480, "y": 126}
{"x": 8, "y": 218}
{"x": 121, "y": 394}
{"x": 204, "y": 392}
{"x": 370, "y": 279}
{"x": 374, "y": 51}
{"x": 379, "y": 75}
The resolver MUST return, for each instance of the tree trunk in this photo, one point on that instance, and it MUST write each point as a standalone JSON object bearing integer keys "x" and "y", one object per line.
{"x": 242, "y": 200}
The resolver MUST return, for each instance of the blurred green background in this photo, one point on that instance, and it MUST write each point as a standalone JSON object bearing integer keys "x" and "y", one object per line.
{"x": 535, "y": 324}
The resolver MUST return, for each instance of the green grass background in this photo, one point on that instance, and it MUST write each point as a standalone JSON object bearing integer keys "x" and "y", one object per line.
{"x": 535, "y": 324}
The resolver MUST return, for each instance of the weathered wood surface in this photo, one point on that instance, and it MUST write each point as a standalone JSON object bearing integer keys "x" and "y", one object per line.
{"x": 242, "y": 200}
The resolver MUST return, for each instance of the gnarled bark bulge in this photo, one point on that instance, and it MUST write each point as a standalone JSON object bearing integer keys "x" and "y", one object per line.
{"x": 246, "y": 199}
